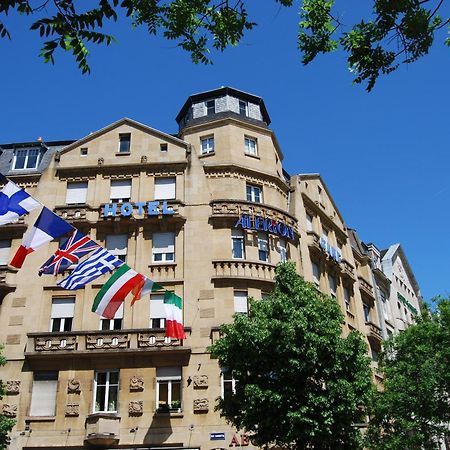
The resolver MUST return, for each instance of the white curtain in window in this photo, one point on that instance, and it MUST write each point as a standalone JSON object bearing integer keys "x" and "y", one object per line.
{"x": 76, "y": 193}
{"x": 240, "y": 302}
{"x": 63, "y": 307}
{"x": 164, "y": 242}
{"x": 164, "y": 188}
{"x": 5, "y": 248}
{"x": 120, "y": 189}
{"x": 117, "y": 244}
{"x": 43, "y": 396}
{"x": 157, "y": 310}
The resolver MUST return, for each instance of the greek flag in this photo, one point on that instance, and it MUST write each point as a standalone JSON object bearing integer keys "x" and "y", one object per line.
{"x": 100, "y": 262}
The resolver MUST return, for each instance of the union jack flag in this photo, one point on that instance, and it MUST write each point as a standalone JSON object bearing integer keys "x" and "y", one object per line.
{"x": 70, "y": 252}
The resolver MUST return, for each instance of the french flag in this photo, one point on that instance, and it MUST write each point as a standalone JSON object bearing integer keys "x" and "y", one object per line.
{"x": 48, "y": 226}
{"x": 14, "y": 202}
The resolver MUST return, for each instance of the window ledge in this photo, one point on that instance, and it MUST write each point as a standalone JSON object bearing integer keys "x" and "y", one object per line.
{"x": 174, "y": 414}
{"x": 162, "y": 263}
{"x": 123, "y": 153}
{"x": 40, "y": 418}
{"x": 252, "y": 156}
{"x": 205, "y": 155}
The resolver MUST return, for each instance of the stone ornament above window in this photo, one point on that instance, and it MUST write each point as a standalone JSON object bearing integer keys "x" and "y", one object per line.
{"x": 73, "y": 386}
{"x": 143, "y": 159}
{"x": 136, "y": 408}
{"x": 9, "y": 410}
{"x": 201, "y": 405}
{"x": 72, "y": 410}
{"x": 200, "y": 381}
{"x": 136, "y": 384}
{"x": 12, "y": 387}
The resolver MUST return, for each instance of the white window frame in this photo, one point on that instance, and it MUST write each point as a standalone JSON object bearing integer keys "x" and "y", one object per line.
{"x": 157, "y": 313}
{"x": 347, "y": 298}
{"x": 366, "y": 312}
{"x": 225, "y": 371}
{"x": 124, "y": 188}
{"x": 243, "y": 111}
{"x": 170, "y": 376}
{"x": 251, "y": 191}
{"x": 316, "y": 273}
{"x": 122, "y": 136}
{"x": 309, "y": 222}
{"x": 167, "y": 252}
{"x": 43, "y": 394}
{"x": 165, "y": 188}
{"x": 237, "y": 236}
{"x": 240, "y": 302}
{"x": 207, "y": 145}
{"x": 5, "y": 250}
{"x": 108, "y": 387}
{"x": 283, "y": 249}
{"x": 117, "y": 245}
{"x": 112, "y": 324}
{"x": 62, "y": 314}
{"x": 76, "y": 193}
{"x": 250, "y": 146}
{"x": 263, "y": 247}
{"x": 26, "y": 152}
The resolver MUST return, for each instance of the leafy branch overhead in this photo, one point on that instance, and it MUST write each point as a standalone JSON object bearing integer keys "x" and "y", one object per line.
{"x": 395, "y": 32}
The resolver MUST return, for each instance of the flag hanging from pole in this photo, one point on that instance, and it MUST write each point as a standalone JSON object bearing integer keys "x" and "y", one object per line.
{"x": 146, "y": 286}
{"x": 173, "y": 306}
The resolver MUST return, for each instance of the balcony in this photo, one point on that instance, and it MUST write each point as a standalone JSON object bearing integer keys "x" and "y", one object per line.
{"x": 162, "y": 272}
{"x": 77, "y": 213}
{"x": 55, "y": 348}
{"x": 347, "y": 269}
{"x": 6, "y": 281}
{"x": 314, "y": 241}
{"x": 247, "y": 270}
{"x": 374, "y": 332}
{"x": 102, "y": 430}
{"x": 365, "y": 287}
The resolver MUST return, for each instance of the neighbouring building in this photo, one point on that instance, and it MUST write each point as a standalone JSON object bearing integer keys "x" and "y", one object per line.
{"x": 207, "y": 213}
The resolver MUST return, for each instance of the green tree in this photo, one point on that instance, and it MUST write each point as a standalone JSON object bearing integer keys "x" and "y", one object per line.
{"x": 299, "y": 383}
{"x": 413, "y": 411}
{"x": 393, "y": 32}
{"x": 6, "y": 424}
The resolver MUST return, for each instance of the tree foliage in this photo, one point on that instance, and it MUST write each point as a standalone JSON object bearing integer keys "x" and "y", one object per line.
{"x": 413, "y": 411}
{"x": 299, "y": 382}
{"x": 395, "y": 32}
{"x": 6, "y": 424}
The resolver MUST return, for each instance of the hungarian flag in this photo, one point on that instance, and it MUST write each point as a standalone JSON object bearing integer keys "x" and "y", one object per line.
{"x": 146, "y": 286}
{"x": 114, "y": 291}
{"x": 47, "y": 227}
{"x": 173, "y": 306}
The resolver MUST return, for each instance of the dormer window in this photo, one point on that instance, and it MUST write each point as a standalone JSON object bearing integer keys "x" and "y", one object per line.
{"x": 243, "y": 108}
{"x": 210, "y": 107}
{"x": 28, "y": 158}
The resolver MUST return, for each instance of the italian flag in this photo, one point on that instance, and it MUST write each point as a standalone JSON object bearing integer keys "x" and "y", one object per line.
{"x": 114, "y": 291}
{"x": 173, "y": 306}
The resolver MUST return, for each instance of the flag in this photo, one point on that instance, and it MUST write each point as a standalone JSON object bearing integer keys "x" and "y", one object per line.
{"x": 74, "y": 248}
{"x": 14, "y": 202}
{"x": 47, "y": 227}
{"x": 114, "y": 291}
{"x": 173, "y": 306}
{"x": 143, "y": 288}
{"x": 98, "y": 263}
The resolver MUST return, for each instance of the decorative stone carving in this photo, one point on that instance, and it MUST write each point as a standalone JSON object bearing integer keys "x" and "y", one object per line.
{"x": 201, "y": 405}
{"x": 143, "y": 159}
{"x": 9, "y": 410}
{"x": 200, "y": 381}
{"x": 57, "y": 156}
{"x": 100, "y": 161}
{"x": 136, "y": 408}
{"x": 136, "y": 384}
{"x": 106, "y": 341}
{"x": 54, "y": 343}
{"x": 73, "y": 386}
{"x": 72, "y": 410}
{"x": 12, "y": 387}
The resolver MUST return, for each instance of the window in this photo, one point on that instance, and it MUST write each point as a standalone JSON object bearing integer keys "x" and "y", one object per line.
{"x": 163, "y": 247}
{"x": 309, "y": 222}
{"x": 163, "y": 147}
{"x": 238, "y": 244}
{"x": 250, "y": 146}
{"x": 332, "y": 283}
{"x": 62, "y": 314}
{"x": 113, "y": 324}
{"x": 316, "y": 273}
{"x": 120, "y": 191}
{"x": 228, "y": 383}
{"x": 265, "y": 296}
{"x": 106, "y": 391}
{"x": 207, "y": 145}
{"x": 83, "y": 151}
{"x": 254, "y": 193}
{"x": 210, "y": 107}
{"x": 240, "y": 302}
{"x": 366, "y": 309}
{"x": 168, "y": 388}
{"x": 117, "y": 245}
{"x": 282, "y": 249}
{"x": 76, "y": 193}
{"x": 243, "y": 108}
{"x": 5, "y": 248}
{"x": 28, "y": 158}
{"x": 43, "y": 395}
{"x": 157, "y": 312}
{"x": 263, "y": 247}
{"x": 165, "y": 188}
{"x": 385, "y": 305}
{"x": 124, "y": 143}
{"x": 347, "y": 297}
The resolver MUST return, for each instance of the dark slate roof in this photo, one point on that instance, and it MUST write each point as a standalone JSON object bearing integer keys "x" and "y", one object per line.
{"x": 48, "y": 148}
{"x": 356, "y": 242}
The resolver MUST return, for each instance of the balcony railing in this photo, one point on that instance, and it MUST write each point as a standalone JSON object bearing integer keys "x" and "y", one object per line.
{"x": 244, "y": 269}
{"x": 313, "y": 240}
{"x": 365, "y": 286}
{"x": 374, "y": 331}
{"x": 6, "y": 280}
{"x": 162, "y": 272}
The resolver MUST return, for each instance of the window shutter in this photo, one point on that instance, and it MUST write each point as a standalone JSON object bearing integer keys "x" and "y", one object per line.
{"x": 164, "y": 188}
{"x": 240, "y": 302}
{"x": 43, "y": 397}
{"x": 117, "y": 244}
{"x": 120, "y": 189}
{"x": 157, "y": 310}
{"x": 76, "y": 193}
{"x": 63, "y": 307}
{"x": 5, "y": 248}
{"x": 164, "y": 242}
{"x": 165, "y": 373}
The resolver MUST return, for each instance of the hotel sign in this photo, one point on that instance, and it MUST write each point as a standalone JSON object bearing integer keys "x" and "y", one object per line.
{"x": 332, "y": 251}
{"x": 263, "y": 224}
{"x": 142, "y": 208}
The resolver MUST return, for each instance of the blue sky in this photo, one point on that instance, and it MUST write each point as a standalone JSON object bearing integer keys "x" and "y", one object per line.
{"x": 384, "y": 155}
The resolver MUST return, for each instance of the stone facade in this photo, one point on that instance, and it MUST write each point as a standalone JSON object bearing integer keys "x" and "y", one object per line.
{"x": 122, "y": 382}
